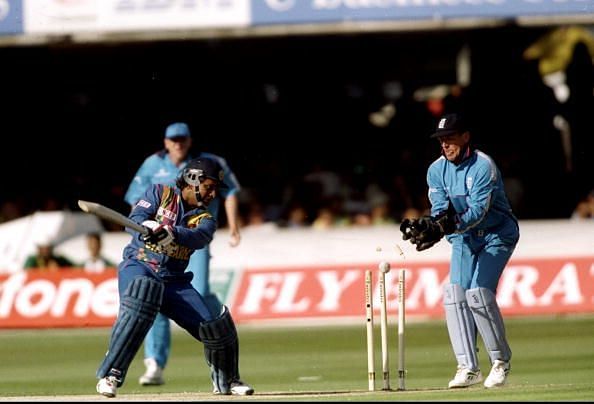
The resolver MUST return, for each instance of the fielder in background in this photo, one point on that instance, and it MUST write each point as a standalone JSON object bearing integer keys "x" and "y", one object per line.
{"x": 469, "y": 207}
{"x": 152, "y": 279}
{"x": 163, "y": 167}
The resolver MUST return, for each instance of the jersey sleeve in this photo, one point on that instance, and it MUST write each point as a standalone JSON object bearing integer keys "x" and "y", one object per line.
{"x": 146, "y": 207}
{"x": 437, "y": 193}
{"x": 198, "y": 232}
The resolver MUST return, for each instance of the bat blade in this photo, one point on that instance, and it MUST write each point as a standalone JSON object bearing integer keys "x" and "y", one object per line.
{"x": 109, "y": 214}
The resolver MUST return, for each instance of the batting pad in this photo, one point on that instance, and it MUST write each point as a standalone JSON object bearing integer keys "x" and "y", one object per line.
{"x": 489, "y": 321}
{"x": 138, "y": 308}
{"x": 221, "y": 350}
{"x": 461, "y": 327}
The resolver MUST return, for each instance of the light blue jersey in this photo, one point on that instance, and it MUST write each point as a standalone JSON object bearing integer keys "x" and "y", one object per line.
{"x": 475, "y": 189}
{"x": 486, "y": 229}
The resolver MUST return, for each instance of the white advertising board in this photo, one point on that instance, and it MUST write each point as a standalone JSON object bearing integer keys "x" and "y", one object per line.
{"x": 18, "y": 238}
{"x": 74, "y": 16}
{"x": 268, "y": 246}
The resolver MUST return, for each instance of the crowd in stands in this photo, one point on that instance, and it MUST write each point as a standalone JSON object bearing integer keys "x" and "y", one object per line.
{"x": 323, "y": 196}
{"x": 377, "y": 178}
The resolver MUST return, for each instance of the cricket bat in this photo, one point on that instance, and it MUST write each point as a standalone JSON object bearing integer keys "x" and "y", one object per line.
{"x": 109, "y": 214}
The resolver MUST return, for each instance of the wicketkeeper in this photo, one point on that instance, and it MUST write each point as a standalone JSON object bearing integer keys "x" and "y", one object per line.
{"x": 469, "y": 207}
{"x": 151, "y": 280}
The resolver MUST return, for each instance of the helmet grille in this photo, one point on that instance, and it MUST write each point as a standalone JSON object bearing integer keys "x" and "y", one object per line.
{"x": 192, "y": 176}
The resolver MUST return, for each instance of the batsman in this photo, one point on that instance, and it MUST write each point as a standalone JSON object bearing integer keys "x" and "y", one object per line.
{"x": 470, "y": 209}
{"x": 152, "y": 279}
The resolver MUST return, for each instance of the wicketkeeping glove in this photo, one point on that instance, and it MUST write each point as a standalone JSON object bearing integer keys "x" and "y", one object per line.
{"x": 424, "y": 232}
{"x": 430, "y": 235}
{"x": 161, "y": 236}
{"x": 410, "y": 229}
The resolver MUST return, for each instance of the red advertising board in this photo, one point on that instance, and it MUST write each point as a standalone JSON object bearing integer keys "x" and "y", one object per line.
{"x": 527, "y": 287}
{"x": 73, "y": 298}
{"x": 65, "y": 298}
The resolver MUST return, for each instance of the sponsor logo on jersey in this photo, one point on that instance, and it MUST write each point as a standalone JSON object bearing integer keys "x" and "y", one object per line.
{"x": 166, "y": 213}
{"x": 195, "y": 220}
{"x": 172, "y": 250}
{"x": 143, "y": 204}
{"x": 161, "y": 173}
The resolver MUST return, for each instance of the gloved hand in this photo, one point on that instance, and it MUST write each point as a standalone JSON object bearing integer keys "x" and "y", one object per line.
{"x": 411, "y": 229}
{"x": 151, "y": 224}
{"x": 447, "y": 220}
{"x": 432, "y": 233}
{"x": 161, "y": 235}
{"x": 424, "y": 232}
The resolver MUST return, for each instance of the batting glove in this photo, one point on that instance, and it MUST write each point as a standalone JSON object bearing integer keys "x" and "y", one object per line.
{"x": 161, "y": 236}
{"x": 151, "y": 224}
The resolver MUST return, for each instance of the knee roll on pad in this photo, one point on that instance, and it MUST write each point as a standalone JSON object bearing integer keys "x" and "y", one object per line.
{"x": 221, "y": 350}
{"x": 487, "y": 316}
{"x": 460, "y": 324}
{"x": 138, "y": 308}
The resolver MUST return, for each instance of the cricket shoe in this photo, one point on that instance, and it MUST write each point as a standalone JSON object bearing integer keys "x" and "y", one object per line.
{"x": 108, "y": 386}
{"x": 237, "y": 388}
{"x": 465, "y": 377}
{"x": 498, "y": 375}
{"x": 153, "y": 375}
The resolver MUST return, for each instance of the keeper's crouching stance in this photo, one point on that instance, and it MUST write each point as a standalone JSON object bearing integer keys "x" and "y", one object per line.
{"x": 469, "y": 208}
{"x": 151, "y": 279}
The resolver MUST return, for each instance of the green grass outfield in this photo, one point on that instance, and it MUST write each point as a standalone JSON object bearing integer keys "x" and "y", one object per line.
{"x": 553, "y": 360}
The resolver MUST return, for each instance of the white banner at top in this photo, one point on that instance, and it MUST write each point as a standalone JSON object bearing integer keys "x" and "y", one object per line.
{"x": 72, "y": 16}
{"x": 125, "y": 15}
{"x": 60, "y": 16}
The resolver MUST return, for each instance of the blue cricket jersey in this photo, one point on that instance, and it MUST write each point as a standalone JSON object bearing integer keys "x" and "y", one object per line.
{"x": 193, "y": 228}
{"x": 475, "y": 189}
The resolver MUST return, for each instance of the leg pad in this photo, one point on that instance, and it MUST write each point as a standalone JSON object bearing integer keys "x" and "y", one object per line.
{"x": 489, "y": 321}
{"x": 221, "y": 350}
{"x": 139, "y": 305}
{"x": 461, "y": 326}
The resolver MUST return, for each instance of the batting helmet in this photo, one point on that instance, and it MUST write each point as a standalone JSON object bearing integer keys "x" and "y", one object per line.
{"x": 199, "y": 169}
